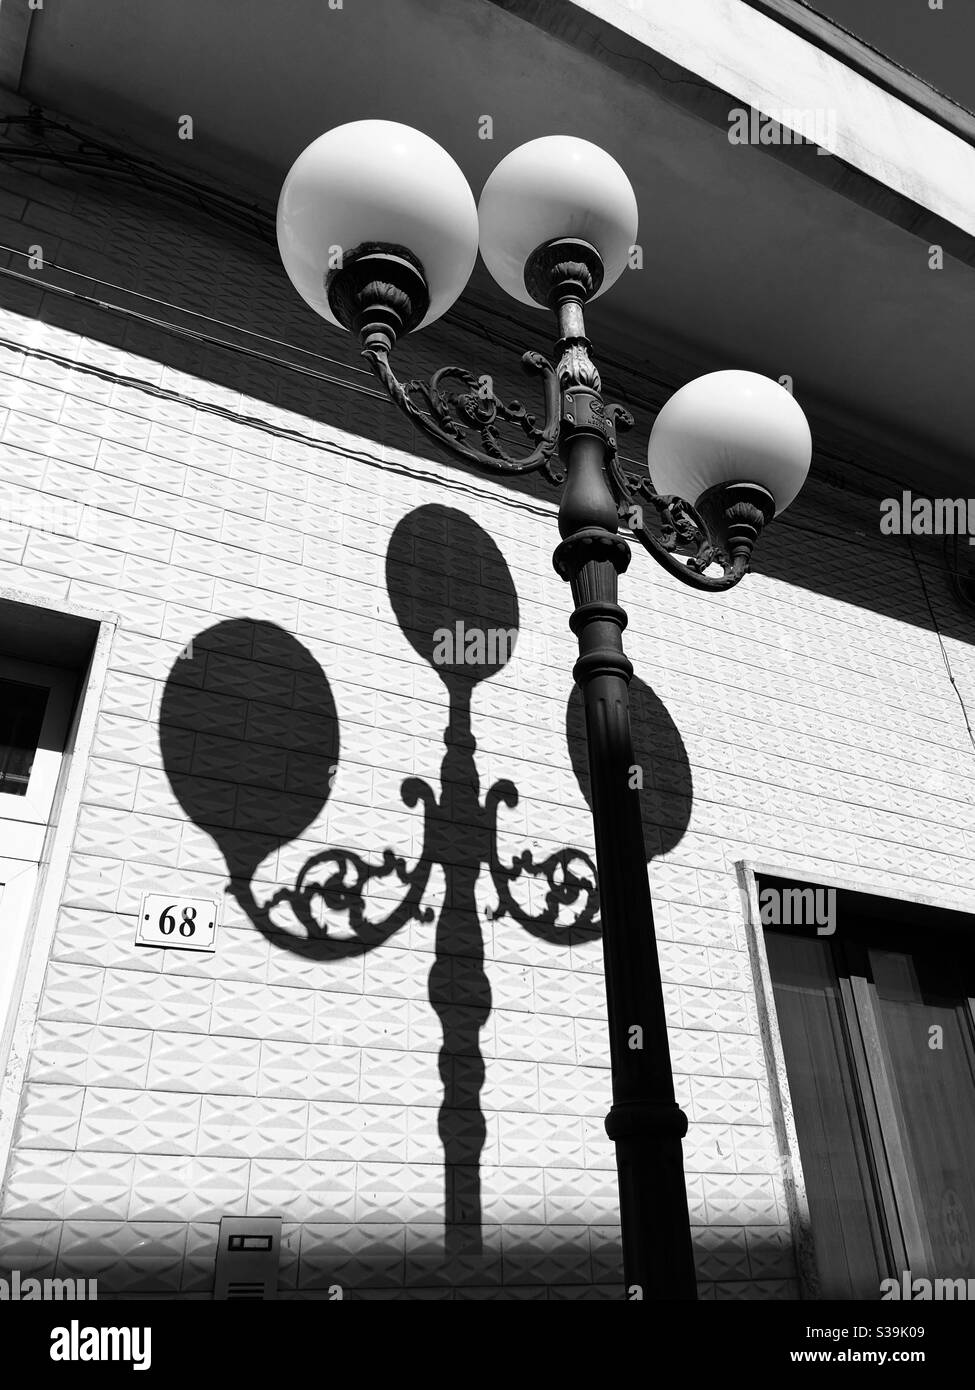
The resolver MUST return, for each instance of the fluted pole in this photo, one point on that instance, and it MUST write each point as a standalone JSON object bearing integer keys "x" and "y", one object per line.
{"x": 645, "y": 1122}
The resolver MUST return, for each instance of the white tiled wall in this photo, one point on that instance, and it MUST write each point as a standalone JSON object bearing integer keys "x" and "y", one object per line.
{"x": 165, "y": 1089}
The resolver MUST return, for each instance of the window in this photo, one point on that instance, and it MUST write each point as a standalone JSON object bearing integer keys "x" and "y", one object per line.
{"x": 877, "y": 1022}
{"x": 36, "y": 703}
{"x": 35, "y": 707}
{"x": 21, "y": 718}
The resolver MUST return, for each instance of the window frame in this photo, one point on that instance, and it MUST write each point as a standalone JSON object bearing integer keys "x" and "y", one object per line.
{"x": 61, "y": 683}
{"x": 900, "y": 1205}
{"x": 33, "y": 621}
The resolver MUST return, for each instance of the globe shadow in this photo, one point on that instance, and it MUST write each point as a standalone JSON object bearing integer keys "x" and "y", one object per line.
{"x": 249, "y": 735}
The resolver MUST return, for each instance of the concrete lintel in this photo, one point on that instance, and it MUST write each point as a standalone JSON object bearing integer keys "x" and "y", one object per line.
{"x": 710, "y": 56}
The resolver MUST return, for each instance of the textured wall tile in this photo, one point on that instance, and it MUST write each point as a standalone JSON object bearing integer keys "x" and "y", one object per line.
{"x": 720, "y": 1252}
{"x": 155, "y": 1000}
{"x": 185, "y": 1062}
{"x": 77, "y": 1053}
{"x": 717, "y": 1100}
{"x": 49, "y": 1117}
{"x": 139, "y": 1121}
{"x": 315, "y": 1191}
{"x": 295, "y": 1070}
{"x": 30, "y": 1246}
{"x": 93, "y": 881}
{"x": 574, "y": 1196}
{"x": 548, "y": 1139}
{"x": 511, "y": 1193}
{"x": 749, "y": 1200}
{"x": 399, "y": 1078}
{"x": 232, "y": 1126}
{"x": 261, "y": 1011}
{"x": 339, "y": 1130}
{"x": 85, "y": 937}
{"x": 71, "y": 993}
{"x": 35, "y": 1186}
{"x": 353, "y": 1257}
{"x": 573, "y": 1090}
{"x": 111, "y": 784}
{"x": 533, "y": 1038}
{"x": 546, "y": 1254}
{"x": 240, "y": 955}
{"x": 607, "y": 1253}
{"x": 412, "y": 1191}
{"x": 200, "y": 1258}
{"x": 770, "y": 1253}
{"x": 167, "y": 1187}
{"x": 98, "y": 1186}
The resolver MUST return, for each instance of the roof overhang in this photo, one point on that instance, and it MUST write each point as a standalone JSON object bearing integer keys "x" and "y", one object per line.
{"x": 772, "y": 256}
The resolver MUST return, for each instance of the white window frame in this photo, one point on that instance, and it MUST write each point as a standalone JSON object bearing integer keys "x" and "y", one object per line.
{"x": 16, "y": 1031}
{"x": 35, "y": 807}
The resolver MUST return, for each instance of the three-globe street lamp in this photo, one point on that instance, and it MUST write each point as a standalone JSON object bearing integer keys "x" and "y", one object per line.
{"x": 378, "y": 231}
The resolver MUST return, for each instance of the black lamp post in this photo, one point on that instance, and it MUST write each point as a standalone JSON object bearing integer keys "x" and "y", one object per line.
{"x": 378, "y": 232}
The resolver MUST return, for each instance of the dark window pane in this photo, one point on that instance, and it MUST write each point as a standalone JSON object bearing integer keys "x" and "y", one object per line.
{"x": 21, "y": 716}
{"x": 934, "y": 1080}
{"x": 843, "y": 1207}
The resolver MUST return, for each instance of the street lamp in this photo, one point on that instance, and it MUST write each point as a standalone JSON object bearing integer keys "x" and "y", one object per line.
{"x": 378, "y": 231}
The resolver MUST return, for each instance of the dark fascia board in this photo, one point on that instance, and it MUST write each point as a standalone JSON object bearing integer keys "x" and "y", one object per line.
{"x": 855, "y": 53}
{"x": 621, "y": 52}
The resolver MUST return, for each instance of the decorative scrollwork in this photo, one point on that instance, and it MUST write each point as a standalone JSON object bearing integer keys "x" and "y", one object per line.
{"x": 566, "y": 885}
{"x": 682, "y": 527}
{"x": 569, "y": 873}
{"x": 576, "y": 367}
{"x": 449, "y": 416}
{"x": 337, "y": 880}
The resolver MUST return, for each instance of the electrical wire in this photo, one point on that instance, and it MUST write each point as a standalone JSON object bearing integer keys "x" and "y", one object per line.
{"x": 941, "y": 643}
{"x": 191, "y": 313}
{"x": 177, "y": 329}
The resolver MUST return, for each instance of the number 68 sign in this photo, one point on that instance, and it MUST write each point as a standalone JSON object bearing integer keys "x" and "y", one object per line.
{"x": 189, "y": 924}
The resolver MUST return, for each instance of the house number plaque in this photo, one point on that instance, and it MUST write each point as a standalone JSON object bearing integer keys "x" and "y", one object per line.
{"x": 184, "y": 924}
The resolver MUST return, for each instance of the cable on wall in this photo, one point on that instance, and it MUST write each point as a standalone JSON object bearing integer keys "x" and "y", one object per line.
{"x": 941, "y": 643}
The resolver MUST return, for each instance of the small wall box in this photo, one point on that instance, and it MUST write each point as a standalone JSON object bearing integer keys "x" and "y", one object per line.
{"x": 177, "y": 922}
{"x": 248, "y": 1254}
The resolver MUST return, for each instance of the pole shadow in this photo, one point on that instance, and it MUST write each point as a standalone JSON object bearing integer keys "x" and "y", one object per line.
{"x": 249, "y": 734}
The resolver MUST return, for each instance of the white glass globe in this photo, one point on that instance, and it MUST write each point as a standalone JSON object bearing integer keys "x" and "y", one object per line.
{"x": 558, "y": 186}
{"x": 730, "y": 427}
{"x": 377, "y": 181}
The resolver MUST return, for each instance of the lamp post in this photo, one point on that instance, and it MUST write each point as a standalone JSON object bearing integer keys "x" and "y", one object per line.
{"x": 378, "y": 231}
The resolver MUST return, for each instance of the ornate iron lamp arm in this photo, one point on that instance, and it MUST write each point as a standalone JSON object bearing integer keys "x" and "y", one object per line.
{"x": 682, "y": 524}
{"x": 380, "y": 292}
{"x": 446, "y": 418}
